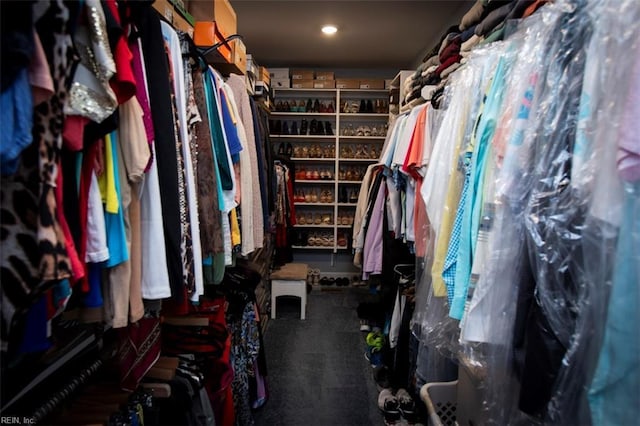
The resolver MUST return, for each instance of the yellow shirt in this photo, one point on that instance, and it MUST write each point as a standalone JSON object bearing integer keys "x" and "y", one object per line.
{"x": 107, "y": 180}
{"x": 235, "y": 229}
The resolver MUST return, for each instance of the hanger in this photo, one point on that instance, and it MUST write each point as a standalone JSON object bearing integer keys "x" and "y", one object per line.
{"x": 204, "y": 51}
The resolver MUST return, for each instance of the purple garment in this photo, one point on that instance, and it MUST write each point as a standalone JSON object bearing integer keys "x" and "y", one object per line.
{"x": 629, "y": 142}
{"x": 141, "y": 95}
{"x": 372, "y": 250}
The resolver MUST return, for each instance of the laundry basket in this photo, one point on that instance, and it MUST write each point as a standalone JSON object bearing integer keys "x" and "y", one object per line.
{"x": 441, "y": 401}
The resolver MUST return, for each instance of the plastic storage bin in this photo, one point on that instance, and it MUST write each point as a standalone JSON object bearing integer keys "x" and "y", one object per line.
{"x": 441, "y": 401}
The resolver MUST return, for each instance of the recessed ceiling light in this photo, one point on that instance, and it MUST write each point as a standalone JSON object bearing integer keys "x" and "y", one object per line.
{"x": 329, "y": 29}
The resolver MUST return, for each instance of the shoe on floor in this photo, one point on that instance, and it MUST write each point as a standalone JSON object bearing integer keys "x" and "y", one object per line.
{"x": 374, "y": 356}
{"x": 388, "y": 404}
{"x": 406, "y": 405}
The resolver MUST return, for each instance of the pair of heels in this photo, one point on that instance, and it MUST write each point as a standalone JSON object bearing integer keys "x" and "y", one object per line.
{"x": 348, "y": 197}
{"x": 323, "y": 239}
{"x": 285, "y": 150}
{"x": 326, "y": 196}
{"x": 347, "y": 219}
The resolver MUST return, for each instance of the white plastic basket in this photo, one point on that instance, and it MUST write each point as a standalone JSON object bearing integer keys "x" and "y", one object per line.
{"x": 441, "y": 401}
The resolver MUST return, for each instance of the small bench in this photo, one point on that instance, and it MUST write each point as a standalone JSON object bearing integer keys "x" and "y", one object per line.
{"x": 290, "y": 280}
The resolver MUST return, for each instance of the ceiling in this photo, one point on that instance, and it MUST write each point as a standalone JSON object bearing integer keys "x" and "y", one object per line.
{"x": 372, "y": 34}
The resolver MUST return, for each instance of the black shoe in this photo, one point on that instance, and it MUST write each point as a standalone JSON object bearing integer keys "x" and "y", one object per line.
{"x": 294, "y": 128}
{"x": 278, "y": 128}
{"x": 327, "y": 128}
{"x": 369, "y": 106}
{"x": 304, "y": 127}
{"x": 313, "y": 128}
{"x": 285, "y": 128}
{"x": 320, "y": 128}
{"x": 281, "y": 149}
{"x": 289, "y": 150}
{"x": 343, "y": 198}
{"x": 316, "y": 106}
{"x": 309, "y": 106}
{"x": 363, "y": 106}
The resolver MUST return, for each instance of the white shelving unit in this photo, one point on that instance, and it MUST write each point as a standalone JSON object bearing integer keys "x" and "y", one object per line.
{"x": 345, "y": 157}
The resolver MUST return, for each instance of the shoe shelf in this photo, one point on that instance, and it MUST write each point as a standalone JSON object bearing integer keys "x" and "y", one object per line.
{"x": 331, "y": 181}
{"x": 355, "y": 125}
{"x": 302, "y": 137}
{"x": 363, "y": 115}
{"x": 357, "y": 160}
{"x": 368, "y": 138}
{"x": 306, "y": 114}
{"x": 360, "y": 92}
{"x": 331, "y": 247}
{"x": 308, "y": 92}
{"x": 318, "y": 160}
{"x": 300, "y": 203}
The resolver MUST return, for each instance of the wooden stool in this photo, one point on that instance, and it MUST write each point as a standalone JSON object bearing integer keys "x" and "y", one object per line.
{"x": 290, "y": 280}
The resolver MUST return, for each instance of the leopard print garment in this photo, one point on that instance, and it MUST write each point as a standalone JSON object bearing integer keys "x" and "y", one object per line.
{"x": 186, "y": 245}
{"x": 33, "y": 246}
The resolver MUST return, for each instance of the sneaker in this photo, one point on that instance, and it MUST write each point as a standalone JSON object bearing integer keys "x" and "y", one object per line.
{"x": 375, "y": 339}
{"x": 388, "y": 404}
{"x": 406, "y": 405}
{"x": 374, "y": 356}
{"x": 364, "y": 325}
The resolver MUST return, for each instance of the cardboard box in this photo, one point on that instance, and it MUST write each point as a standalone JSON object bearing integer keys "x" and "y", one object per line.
{"x": 324, "y": 84}
{"x": 279, "y": 73}
{"x": 263, "y": 75}
{"x": 281, "y": 83}
{"x": 372, "y": 84}
{"x": 325, "y": 75}
{"x": 301, "y": 75}
{"x": 219, "y": 11}
{"x": 180, "y": 23}
{"x": 206, "y": 34}
{"x": 262, "y": 88}
{"x": 252, "y": 67}
{"x": 347, "y": 83}
{"x": 240, "y": 55}
{"x": 165, "y": 9}
{"x": 180, "y": 8}
{"x": 302, "y": 84}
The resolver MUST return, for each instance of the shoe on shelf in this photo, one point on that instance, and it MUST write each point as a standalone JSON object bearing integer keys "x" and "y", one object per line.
{"x": 309, "y": 107}
{"x": 363, "y": 106}
{"x": 294, "y": 128}
{"x": 281, "y": 149}
{"x": 316, "y": 106}
{"x": 369, "y": 106}
{"x": 304, "y": 127}
{"x": 327, "y": 128}
{"x": 289, "y": 150}
{"x": 278, "y": 127}
{"x": 285, "y": 128}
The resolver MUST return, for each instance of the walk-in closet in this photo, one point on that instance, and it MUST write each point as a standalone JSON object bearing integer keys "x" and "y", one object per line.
{"x": 304, "y": 212}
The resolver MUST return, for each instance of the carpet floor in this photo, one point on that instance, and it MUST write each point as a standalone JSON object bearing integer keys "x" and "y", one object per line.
{"x": 317, "y": 372}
